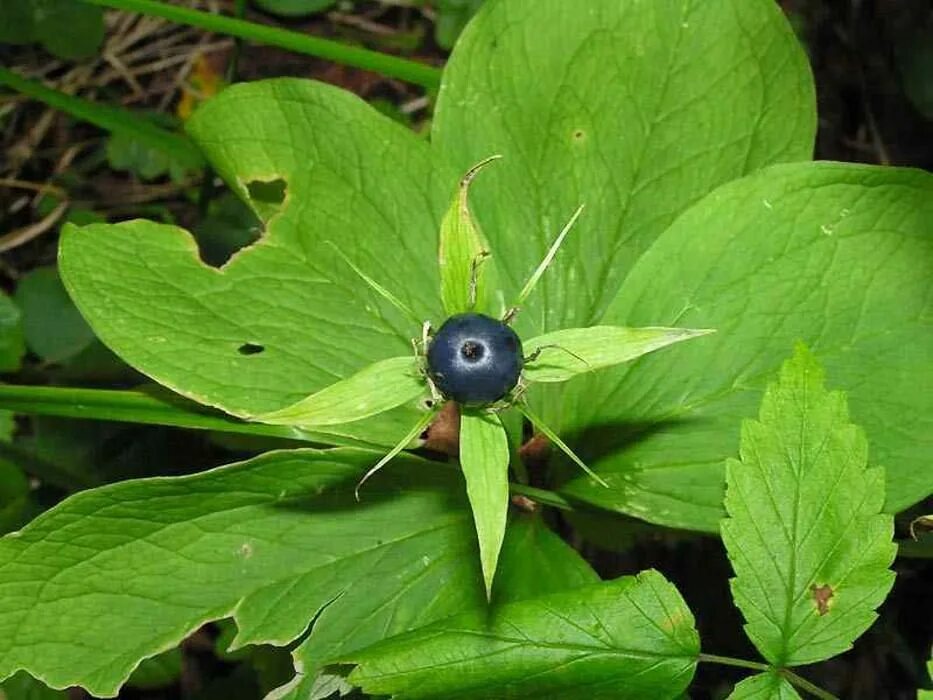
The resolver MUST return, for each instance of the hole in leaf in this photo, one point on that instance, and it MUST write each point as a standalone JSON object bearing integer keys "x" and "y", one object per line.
{"x": 250, "y": 349}
{"x": 229, "y": 226}
{"x": 270, "y": 192}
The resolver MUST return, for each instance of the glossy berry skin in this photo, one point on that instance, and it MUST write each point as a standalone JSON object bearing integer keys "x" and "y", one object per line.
{"x": 474, "y": 359}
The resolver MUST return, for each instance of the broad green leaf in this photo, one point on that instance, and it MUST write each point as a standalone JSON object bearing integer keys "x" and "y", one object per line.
{"x": 562, "y": 355}
{"x": 836, "y": 255}
{"x": 145, "y": 159}
{"x": 463, "y": 253}
{"x": 805, "y": 533}
{"x": 632, "y": 638}
{"x": 115, "y": 575}
{"x": 70, "y": 30}
{"x": 765, "y": 686}
{"x": 634, "y": 109}
{"x": 284, "y": 317}
{"x": 452, "y": 17}
{"x": 17, "y": 22}
{"x": 53, "y": 327}
{"x": 379, "y": 387}
{"x": 534, "y": 562}
{"x": 22, "y": 686}
{"x": 12, "y": 346}
{"x": 484, "y": 458}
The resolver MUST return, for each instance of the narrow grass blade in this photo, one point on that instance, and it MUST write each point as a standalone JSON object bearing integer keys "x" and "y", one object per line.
{"x": 553, "y": 437}
{"x": 536, "y": 275}
{"x": 418, "y": 428}
{"x": 378, "y": 288}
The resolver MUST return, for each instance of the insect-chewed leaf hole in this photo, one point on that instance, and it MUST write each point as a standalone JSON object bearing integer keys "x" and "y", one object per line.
{"x": 250, "y": 349}
{"x": 268, "y": 192}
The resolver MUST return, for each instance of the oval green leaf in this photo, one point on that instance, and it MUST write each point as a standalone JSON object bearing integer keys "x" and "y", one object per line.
{"x": 836, "y": 255}
{"x": 635, "y": 109}
{"x": 629, "y": 639}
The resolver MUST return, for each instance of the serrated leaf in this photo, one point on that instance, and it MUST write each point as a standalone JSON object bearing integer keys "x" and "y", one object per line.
{"x": 835, "y": 255}
{"x": 765, "y": 686}
{"x": 463, "y": 253}
{"x": 564, "y": 354}
{"x": 484, "y": 458}
{"x": 635, "y": 109}
{"x": 805, "y": 534}
{"x": 118, "y": 574}
{"x": 12, "y": 346}
{"x": 379, "y": 387}
{"x": 349, "y": 174}
{"x": 631, "y": 638}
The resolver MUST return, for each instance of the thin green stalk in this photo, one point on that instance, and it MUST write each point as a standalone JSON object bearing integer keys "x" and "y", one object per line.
{"x": 392, "y": 66}
{"x": 107, "y": 117}
{"x": 806, "y": 685}
{"x": 730, "y": 661}
{"x": 788, "y": 675}
{"x": 140, "y": 407}
{"x": 547, "y": 498}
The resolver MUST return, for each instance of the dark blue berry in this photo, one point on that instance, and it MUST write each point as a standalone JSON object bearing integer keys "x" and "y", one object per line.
{"x": 474, "y": 359}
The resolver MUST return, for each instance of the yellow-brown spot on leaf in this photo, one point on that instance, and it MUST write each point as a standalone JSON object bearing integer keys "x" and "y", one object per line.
{"x": 821, "y": 596}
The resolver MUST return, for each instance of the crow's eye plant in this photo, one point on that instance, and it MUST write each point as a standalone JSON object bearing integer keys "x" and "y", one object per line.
{"x": 475, "y": 361}
{"x": 685, "y": 128}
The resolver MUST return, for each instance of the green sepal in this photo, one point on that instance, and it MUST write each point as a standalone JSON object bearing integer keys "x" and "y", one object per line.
{"x": 484, "y": 458}
{"x": 463, "y": 254}
{"x": 379, "y": 387}
{"x": 566, "y": 353}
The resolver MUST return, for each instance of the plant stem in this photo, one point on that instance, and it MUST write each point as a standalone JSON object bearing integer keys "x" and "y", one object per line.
{"x": 730, "y": 661}
{"x": 385, "y": 64}
{"x": 548, "y": 498}
{"x": 141, "y": 407}
{"x": 788, "y": 675}
{"x": 806, "y": 685}
{"x": 107, "y": 117}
